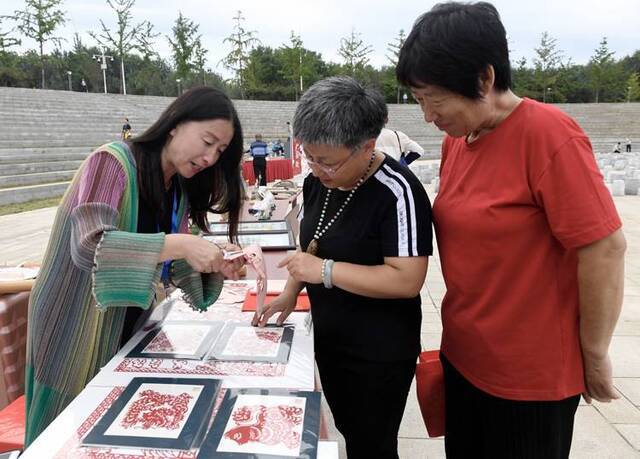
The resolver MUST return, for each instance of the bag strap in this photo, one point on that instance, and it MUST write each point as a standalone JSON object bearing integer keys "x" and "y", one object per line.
{"x": 399, "y": 143}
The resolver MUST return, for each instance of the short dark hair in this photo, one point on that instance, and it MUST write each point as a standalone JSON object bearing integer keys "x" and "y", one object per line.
{"x": 339, "y": 111}
{"x": 452, "y": 45}
{"x": 216, "y": 189}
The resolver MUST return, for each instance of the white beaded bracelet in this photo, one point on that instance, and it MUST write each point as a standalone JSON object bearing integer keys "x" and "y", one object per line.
{"x": 327, "y": 272}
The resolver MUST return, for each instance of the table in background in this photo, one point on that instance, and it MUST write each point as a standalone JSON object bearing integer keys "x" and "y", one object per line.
{"x": 276, "y": 169}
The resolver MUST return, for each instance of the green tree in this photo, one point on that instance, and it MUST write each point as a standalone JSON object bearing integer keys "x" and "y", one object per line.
{"x": 602, "y": 68}
{"x": 394, "y": 54}
{"x": 186, "y": 47}
{"x": 355, "y": 53}
{"x": 126, "y": 37}
{"x": 633, "y": 87}
{"x": 38, "y": 21}
{"x": 6, "y": 39}
{"x": 546, "y": 64}
{"x": 200, "y": 59}
{"x": 296, "y": 66}
{"x": 242, "y": 41}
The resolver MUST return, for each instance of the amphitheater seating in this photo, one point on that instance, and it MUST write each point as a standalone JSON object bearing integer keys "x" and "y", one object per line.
{"x": 45, "y": 134}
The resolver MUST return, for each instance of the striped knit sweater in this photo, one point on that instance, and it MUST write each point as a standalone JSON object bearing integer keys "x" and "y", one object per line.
{"x": 95, "y": 265}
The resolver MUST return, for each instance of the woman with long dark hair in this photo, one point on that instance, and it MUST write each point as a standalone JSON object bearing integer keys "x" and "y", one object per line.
{"x": 121, "y": 227}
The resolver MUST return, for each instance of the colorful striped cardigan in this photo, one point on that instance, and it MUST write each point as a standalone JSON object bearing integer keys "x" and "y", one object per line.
{"x": 95, "y": 265}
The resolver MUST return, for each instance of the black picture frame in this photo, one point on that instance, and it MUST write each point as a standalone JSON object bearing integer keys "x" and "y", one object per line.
{"x": 205, "y": 346}
{"x": 192, "y": 432}
{"x": 283, "y": 351}
{"x": 310, "y": 427}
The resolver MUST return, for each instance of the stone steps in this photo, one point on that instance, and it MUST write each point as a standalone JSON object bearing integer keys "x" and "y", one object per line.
{"x": 43, "y": 132}
{"x": 12, "y": 181}
{"x": 32, "y": 193}
{"x": 38, "y": 167}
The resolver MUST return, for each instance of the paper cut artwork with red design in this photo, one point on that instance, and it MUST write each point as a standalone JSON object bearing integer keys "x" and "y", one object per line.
{"x": 156, "y": 411}
{"x": 177, "y": 339}
{"x": 254, "y": 342}
{"x": 255, "y": 259}
{"x": 265, "y": 425}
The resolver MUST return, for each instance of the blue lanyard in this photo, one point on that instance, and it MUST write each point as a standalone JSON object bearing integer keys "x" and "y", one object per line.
{"x": 174, "y": 229}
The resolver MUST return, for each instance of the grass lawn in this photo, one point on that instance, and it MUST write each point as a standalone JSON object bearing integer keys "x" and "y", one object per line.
{"x": 31, "y": 205}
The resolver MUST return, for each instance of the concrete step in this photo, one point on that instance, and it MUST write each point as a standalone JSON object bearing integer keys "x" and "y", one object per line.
{"x": 31, "y": 193}
{"x": 40, "y": 158}
{"x": 13, "y": 181}
{"x": 34, "y": 168}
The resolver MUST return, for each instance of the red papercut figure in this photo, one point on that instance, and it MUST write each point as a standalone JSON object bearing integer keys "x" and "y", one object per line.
{"x": 266, "y": 425}
{"x": 253, "y": 255}
{"x": 274, "y": 337}
{"x": 159, "y": 343}
{"x": 156, "y": 410}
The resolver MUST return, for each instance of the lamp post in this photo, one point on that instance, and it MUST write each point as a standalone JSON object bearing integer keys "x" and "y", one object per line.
{"x": 628, "y": 94}
{"x": 404, "y": 98}
{"x": 69, "y": 73}
{"x": 102, "y": 58}
{"x": 178, "y": 81}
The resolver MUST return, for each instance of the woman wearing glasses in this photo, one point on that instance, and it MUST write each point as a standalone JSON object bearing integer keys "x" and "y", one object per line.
{"x": 366, "y": 233}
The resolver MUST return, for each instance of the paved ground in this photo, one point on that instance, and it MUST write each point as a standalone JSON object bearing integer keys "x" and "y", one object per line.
{"x": 602, "y": 430}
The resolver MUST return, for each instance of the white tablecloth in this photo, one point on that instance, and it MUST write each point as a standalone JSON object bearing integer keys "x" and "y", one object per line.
{"x": 61, "y": 438}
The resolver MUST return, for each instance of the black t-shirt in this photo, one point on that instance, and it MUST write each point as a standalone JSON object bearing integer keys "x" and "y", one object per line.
{"x": 148, "y": 222}
{"x": 388, "y": 216}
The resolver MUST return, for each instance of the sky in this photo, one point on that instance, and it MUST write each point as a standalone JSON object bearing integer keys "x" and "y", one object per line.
{"x": 578, "y": 25}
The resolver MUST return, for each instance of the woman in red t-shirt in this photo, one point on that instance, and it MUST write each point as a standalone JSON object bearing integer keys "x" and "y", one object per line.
{"x": 530, "y": 243}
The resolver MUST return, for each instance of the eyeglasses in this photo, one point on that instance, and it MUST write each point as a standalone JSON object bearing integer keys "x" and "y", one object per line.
{"x": 329, "y": 170}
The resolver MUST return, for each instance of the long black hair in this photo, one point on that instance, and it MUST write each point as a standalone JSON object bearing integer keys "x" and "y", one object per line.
{"x": 216, "y": 189}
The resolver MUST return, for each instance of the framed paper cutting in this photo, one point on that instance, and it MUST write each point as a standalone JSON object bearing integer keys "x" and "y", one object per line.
{"x": 245, "y": 342}
{"x": 267, "y": 241}
{"x": 157, "y": 413}
{"x": 178, "y": 340}
{"x": 259, "y": 226}
{"x": 264, "y": 423}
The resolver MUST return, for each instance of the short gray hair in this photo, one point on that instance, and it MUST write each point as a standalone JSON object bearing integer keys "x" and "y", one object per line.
{"x": 339, "y": 111}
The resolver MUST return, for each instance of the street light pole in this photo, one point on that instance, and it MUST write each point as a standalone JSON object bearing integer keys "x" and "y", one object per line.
{"x": 404, "y": 98}
{"x": 102, "y": 58}
{"x": 69, "y": 72}
{"x": 628, "y": 94}
{"x": 178, "y": 81}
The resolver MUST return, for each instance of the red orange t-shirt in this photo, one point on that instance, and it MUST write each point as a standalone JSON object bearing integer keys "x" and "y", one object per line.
{"x": 512, "y": 209}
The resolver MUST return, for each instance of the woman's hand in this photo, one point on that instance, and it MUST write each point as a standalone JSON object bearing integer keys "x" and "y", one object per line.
{"x": 598, "y": 380}
{"x": 231, "y": 268}
{"x": 284, "y": 303}
{"x": 303, "y": 267}
{"x": 202, "y": 255}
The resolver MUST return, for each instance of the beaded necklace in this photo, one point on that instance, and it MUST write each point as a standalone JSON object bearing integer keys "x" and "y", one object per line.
{"x": 312, "y": 248}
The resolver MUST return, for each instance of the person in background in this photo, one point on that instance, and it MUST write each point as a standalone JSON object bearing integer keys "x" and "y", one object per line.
{"x": 121, "y": 227}
{"x": 617, "y": 148}
{"x": 259, "y": 152}
{"x": 399, "y": 146}
{"x": 530, "y": 243}
{"x": 277, "y": 148}
{"x": 628, "y": 145}
{"x": 366, "y": 233}
{"x": 126, "y": 129}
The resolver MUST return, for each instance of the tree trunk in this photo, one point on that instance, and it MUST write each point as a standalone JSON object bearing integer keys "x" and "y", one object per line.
{"x": 124, "y": 83}
{"x": 42, "y": 63}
